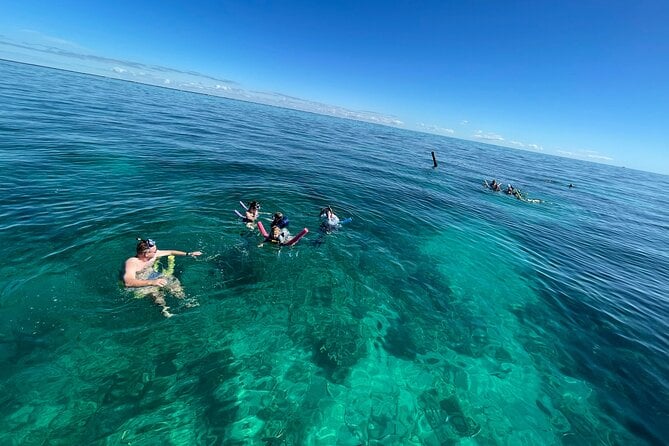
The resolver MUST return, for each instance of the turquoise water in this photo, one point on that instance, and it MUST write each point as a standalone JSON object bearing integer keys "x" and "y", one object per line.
{"x": 442, "y": 314}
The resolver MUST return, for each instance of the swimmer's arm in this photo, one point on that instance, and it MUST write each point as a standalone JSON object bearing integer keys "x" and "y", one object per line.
{"x": 174, "y": 252}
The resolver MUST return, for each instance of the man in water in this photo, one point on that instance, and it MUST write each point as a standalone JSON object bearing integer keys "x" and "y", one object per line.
{"x": 139, "y": 273}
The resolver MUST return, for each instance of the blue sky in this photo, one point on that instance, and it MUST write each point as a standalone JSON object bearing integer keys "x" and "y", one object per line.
{"x": 584, "y": 79}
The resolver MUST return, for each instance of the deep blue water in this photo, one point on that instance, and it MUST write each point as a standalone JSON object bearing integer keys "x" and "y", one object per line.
{"x": 442, "y": 314}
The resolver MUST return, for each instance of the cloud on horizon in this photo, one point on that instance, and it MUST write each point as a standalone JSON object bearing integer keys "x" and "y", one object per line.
{"x": 588, "y": 155}
{"x": 494, "y": 137}
{"x": 488, "y": 136}
{"x": 40, "y": 49}
{"x": 38, "y": 36}
{"x": 523, "y": 145}
{"x": 62, "y": 58}
{"x": 435, "y": 129}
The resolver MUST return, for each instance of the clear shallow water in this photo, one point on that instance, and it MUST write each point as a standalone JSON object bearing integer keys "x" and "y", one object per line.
{"x": 442, "y": 314}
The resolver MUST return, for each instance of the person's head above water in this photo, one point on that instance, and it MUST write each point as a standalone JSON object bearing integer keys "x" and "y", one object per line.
{"x": 145, "y": 246}
{"x": 254, "y": 205}
{"x": 280, "y": 220}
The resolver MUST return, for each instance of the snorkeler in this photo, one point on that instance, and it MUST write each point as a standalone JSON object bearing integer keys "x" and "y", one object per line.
{"x": 139, "y": 273}
{"x": 280, "y": 220}
{"x": 278, "y": 232}
{"x": 494, "y": 186}
{"x": 252, "y": 212}
{"x": 510, "y": 190}
{"x": 329, "y": 219}
{"x": 279, "y": 235}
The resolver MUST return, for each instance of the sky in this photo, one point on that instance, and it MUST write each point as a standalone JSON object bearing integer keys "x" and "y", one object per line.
{"x": 583, "y": 79}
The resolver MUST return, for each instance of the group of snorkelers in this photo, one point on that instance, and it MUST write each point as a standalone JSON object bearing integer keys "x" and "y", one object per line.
{"x": 279, "y": 232}
{"x": 510, "y": 190}
{"x": 278, "y": 227}
{"x": 494, "y": 186}
{"x": 144, "y": 274}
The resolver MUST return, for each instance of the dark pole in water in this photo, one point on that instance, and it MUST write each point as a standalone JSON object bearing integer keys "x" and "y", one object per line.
{"x": 434, "y": 158}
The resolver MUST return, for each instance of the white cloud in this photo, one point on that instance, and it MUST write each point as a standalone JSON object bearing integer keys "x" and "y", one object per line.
{"x": 599, "y": 157}
{"x": 592, "y": 155}
{"x": 71, "y": 59}
{"x": 487, "y": 136}
{"x": 436, "y": 129}
{"x": 37, "y": 38}
{"x": 464, "y": 122}
{"x": 526, "y": 146}
{"x": 595, "y": 155}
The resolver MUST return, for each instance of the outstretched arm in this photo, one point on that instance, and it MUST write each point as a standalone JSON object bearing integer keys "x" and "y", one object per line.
{"x": 174, "y": 252}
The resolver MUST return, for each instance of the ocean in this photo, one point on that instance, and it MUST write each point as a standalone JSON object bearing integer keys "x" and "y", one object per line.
{"x": 442, "y": 314}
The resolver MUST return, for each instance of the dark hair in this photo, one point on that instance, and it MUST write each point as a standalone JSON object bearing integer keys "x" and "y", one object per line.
{"x": 144, "y": 245}
{"x": 254, "y": 204}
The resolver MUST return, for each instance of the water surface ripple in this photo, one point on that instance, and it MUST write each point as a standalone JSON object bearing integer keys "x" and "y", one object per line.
{"x": 442, "y": 314}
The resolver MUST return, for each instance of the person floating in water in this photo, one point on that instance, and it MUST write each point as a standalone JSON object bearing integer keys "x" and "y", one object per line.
{"x": 329, "y": 220}
{"x": 141, "y": 273}
{"x": 280, "y": 220}
{"x": 493, "y": 185}
{"x": 278, "y": 232}
{"x": 510, "y": 190}
{"x": 279, "y": 235}
{"x": 252, "y": 212}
